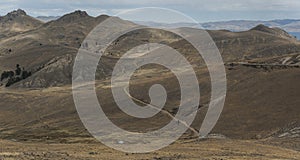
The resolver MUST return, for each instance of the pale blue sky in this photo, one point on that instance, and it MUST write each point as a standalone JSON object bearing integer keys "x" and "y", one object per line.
{"x": 201, "y": 10}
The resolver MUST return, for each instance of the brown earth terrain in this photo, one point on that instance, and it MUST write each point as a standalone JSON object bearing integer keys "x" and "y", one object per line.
{"x": 203, "y": 150}
{"x": 38, "y": 118}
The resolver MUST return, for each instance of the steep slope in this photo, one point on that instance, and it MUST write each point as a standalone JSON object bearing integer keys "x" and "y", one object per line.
{"x": 70, "y": 29}
{"x": 13, "y": 27}
{"x": 42, "y": 50}
{"x": 60, "y": 39}
{"x": 17, "y": 21}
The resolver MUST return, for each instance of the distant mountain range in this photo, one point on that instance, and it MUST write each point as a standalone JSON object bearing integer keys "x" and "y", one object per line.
{"x": 290, "y": 25}
{"x": 47, "y": 18}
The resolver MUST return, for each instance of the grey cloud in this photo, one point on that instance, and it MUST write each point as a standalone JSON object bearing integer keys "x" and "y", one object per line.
{"x": 212, "y": 8}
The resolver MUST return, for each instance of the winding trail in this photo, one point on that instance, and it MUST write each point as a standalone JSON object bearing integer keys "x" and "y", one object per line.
{"x": 196, "y": 133}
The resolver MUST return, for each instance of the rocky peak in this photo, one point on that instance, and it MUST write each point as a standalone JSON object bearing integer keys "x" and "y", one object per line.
{"x": 80, "y": 13}
{"x": 17, "y": 21}
{"x": 262, "y": 28}
{"x": 77, "y": 15}
{"x": 274, "y": 31}
{"x": 18, "y": 12}
{"x": 12, "y": 15}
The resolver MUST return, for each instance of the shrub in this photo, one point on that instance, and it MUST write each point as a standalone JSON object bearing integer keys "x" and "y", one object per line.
{"x": 14, "y": 77}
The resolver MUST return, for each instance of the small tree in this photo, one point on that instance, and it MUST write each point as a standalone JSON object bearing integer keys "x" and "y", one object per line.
{"x": 18, "y": 70}
{"x": 16, "y": 76}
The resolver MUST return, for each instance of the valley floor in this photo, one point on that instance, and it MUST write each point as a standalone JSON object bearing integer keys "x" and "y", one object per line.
{"x": 211, "y": 149}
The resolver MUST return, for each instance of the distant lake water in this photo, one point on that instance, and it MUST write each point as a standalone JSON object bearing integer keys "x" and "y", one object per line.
{"x": 297, "y": 34}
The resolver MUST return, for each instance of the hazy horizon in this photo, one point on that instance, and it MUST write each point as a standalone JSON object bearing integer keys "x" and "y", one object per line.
{"x": 201, "y": 11}
{"x": 229, "y": 20}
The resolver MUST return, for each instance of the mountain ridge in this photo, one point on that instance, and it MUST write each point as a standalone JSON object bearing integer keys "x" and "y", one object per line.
{"x": 292, "y": 26}
{"x": 60, "y": 39}
{"x": 262, "y": 70}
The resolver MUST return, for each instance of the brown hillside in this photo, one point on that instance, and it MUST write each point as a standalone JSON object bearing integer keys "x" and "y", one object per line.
{"x": 262, "y": 68}
{"x": 17, "y": 21}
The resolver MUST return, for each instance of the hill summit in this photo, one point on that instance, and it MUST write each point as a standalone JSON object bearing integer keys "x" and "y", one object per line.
{"x": 17, "y": 13}
{"x": 74, "y": 16}
{"x": 12, "y": 15}
{"x": 274, "y": 31}
{"x": 17, "y": 21}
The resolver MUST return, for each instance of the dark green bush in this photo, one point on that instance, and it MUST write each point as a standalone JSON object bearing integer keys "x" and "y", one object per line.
{"x": 14, "y": 77}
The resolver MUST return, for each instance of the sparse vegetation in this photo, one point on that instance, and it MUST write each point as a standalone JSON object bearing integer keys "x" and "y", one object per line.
{"x": 260, "y": 119}
{"x": 15, "y": 76}
{"x": 7, "y": 74}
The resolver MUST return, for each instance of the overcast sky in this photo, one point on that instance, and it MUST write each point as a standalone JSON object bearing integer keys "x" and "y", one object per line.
{"x": 201, "y": 10}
